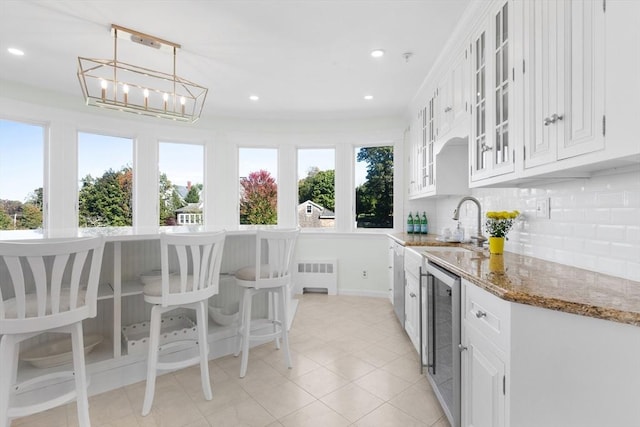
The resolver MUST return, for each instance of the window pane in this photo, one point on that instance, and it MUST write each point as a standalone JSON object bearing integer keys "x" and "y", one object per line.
{"x": 21, "y": 175}
{"x": 316, "y": 188}
{"x": 181, "y": 186}
{"x": 374, "y": 187}
{"x": 106, "y": 180}
{"x": 258, "y": 185}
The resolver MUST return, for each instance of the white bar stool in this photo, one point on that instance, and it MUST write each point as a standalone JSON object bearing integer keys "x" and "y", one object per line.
{"x": 270, "y": 274}
{"x": 198, "y": 256}
{"x": 53, "y": 286}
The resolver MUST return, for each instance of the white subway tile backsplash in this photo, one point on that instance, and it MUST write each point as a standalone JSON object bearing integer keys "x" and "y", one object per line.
{"x": 630, "y": 216}
{"x": 611, "y": 232}
{"x": 625, "y": 251}
{"x": 594, "y": 224}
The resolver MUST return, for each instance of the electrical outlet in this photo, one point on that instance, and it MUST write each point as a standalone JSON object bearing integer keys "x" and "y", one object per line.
{"x": 543, "y": 208}
{"x": 364, "y": 274}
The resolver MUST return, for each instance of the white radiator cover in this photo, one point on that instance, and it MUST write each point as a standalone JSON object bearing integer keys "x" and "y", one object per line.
{"x": 316, "y": 274}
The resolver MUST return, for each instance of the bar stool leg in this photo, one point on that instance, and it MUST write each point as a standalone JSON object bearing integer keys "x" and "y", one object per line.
{"x": 152, "y": 361}
{"x": 80, "y": 374}
{"x": 204, "y": 349}
{"x": 240, "y": 326}
{"x": 273, "y": 299}
{"x": 283, "y": 325}
{"x": 8, "y": 370}
{"x": 246, "y": 329}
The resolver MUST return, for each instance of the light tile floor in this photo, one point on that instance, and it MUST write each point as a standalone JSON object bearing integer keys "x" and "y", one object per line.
{"x": 353, "y": 366}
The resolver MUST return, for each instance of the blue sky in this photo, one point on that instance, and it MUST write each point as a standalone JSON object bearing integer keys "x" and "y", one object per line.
{"x": 22, "y": 153}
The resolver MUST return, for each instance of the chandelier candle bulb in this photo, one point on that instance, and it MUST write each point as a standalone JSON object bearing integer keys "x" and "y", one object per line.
{"x": 103, "y": 86}
{"x": 165, "y": 98}
{"x": 146, "y": 98}
{"x": 182, "y": 102}
{"x": 125, "y": 91}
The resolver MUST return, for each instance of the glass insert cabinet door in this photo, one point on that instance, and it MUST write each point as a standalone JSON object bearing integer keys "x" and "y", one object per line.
{"x": 492, "y": 80}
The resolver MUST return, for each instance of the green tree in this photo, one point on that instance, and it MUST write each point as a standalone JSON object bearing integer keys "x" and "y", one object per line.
{"x": 259, "y": 199}
{"x": 169, "y": 201}
{"x": 35, "y": 198}
{"x": 6, "y": 223}
{"x": 193, "y": 196}
{"x": 31, "y": 217}
{"x": 319, "y": 187}
{"x": 106, "y": 201}
{"x": 374, "y": 198}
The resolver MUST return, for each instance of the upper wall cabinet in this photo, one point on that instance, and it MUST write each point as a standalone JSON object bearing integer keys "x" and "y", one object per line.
{"x": 564, "y": 73}
{"x": 453, "y": 95}
{"x": 493, "y": 123}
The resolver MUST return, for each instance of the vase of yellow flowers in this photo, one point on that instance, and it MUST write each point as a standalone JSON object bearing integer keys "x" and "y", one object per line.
{"x": 498, "y": 224}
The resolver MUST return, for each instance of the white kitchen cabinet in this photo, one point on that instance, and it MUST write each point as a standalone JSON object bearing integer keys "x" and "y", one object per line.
{"x": 565, "y": 80}
{"x": 437, "y": 167}
{"x": 493, "y": 112}
{"x": 483, "y": 382}
{"x": 453, "y": 94}
{"x": 528, "y": 366}
{"x": 412, "y": 306}
{"x": 485, "y": 340}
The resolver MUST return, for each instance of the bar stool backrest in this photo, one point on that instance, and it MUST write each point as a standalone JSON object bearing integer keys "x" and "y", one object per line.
{"x": 199, "y": 256}
{"x": 48, "y": 283}
{"x": 274, "y": 256}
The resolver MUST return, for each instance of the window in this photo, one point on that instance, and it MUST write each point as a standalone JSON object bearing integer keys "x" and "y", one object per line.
{"x": 181, "y": 185}
{"x": 316, "y": 188}
{"x": 21, "y": 175}
{"x": 105, "y": 181}
{"x": 258, "y": 185}
{"x": 374, "y": 187}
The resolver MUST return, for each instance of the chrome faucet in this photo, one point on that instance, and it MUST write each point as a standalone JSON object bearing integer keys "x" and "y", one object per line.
{"x": 456, "y": 215}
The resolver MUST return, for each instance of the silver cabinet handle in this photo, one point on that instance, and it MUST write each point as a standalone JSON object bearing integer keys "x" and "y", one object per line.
{"x": 446, "y": 110}
{"x": 480, "y": 314}
{"x": 484, "y": 147}
{"x": 554, "y": 118}
{"x": 462, "y": 347}
{"x": 412, "y": 295}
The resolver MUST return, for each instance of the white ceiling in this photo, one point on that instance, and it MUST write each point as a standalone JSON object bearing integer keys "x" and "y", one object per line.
{"x": 304, "y": 58}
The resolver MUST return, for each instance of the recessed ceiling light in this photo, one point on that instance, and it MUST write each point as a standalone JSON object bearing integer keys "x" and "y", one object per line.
{"x": 254, "y": 97}
{"x": 368, "y": 97}
{"x": 15, "y": 51}
{"x": 377, "y": 53}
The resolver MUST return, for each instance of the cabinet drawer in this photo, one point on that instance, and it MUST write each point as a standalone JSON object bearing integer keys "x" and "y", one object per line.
{"x": 488, "y": 313}
{"x": 412, "y": 261}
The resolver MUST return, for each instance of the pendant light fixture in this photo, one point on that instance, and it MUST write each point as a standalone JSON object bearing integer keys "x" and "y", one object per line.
{"x": 116, "y": 85}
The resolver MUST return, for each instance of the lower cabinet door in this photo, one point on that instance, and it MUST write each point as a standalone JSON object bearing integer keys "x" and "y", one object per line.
{"x": 483, "y": 383}
{"x": 411, "y": 310}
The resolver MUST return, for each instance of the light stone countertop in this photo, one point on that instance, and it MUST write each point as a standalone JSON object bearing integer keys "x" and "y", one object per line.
{"x": 533, "y": 281}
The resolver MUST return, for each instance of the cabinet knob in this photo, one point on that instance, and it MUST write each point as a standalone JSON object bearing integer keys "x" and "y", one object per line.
{"x": 446, "y": 110}
{"x": 480, "y": 314}
{"x": 484, "y": 147}
{"x": 412, "y": 295}
{"x": 462, "y": 347}
{"x": 554, "y": 118}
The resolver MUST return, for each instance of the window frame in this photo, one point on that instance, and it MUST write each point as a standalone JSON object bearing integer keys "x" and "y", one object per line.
{"x": 46, "y": 182}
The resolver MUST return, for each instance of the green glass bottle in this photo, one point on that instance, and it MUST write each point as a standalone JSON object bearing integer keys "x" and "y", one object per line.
{"x": 410, "y": 224}
{"x": 416, "y": 223}
{"x": 424, "y": 226}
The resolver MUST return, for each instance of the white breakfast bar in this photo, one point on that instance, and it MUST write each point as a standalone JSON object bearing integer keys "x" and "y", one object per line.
{"x": 120, "y": 358}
